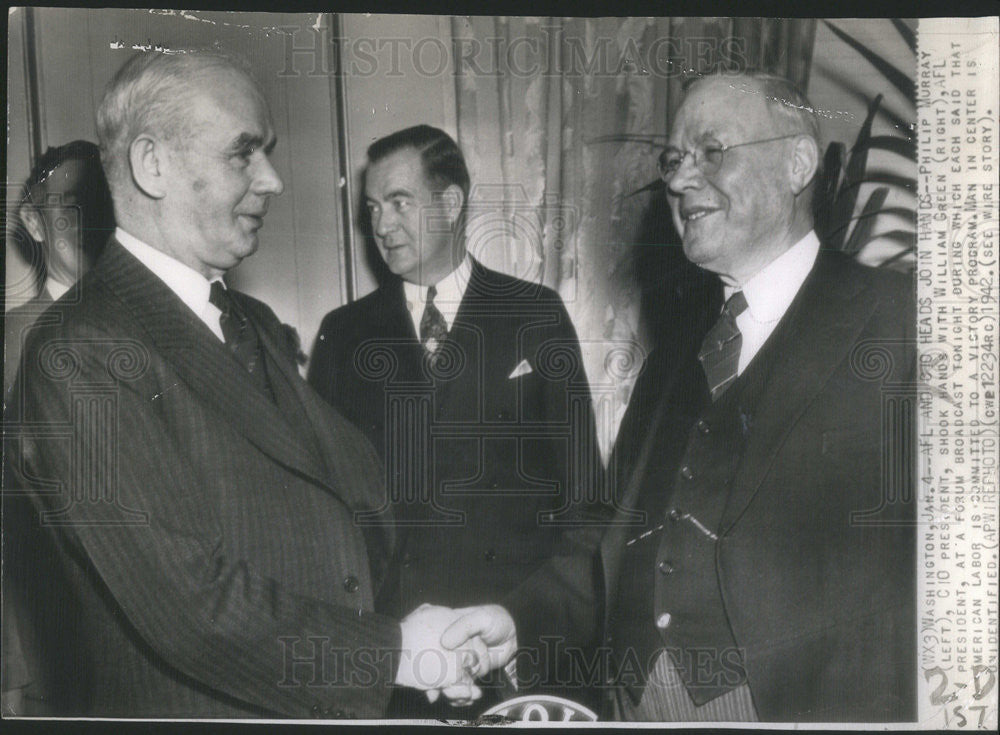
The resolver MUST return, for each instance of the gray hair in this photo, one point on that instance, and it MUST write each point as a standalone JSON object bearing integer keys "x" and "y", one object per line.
{"x": 151, "y": 93}
{"x": 788, "y": 105}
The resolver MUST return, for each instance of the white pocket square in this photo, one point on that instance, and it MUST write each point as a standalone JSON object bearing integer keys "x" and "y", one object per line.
{"x": 523, "y": 368}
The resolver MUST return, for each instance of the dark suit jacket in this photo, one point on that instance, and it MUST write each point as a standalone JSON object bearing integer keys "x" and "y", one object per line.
{"x": 820, "y": 601}
{"x": 486, "y": 454}
{"x": 189, "y": 549}
{"x": 18, "y": 323}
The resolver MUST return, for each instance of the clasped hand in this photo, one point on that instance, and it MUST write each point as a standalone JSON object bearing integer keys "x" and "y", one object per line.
{"x": 445, "y": 650}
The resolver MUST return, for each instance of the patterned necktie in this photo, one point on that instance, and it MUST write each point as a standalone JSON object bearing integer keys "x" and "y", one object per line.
{"x": 433, "y": 327}
{"x": 241, "y": 337}
{"x": 720, "y": 352}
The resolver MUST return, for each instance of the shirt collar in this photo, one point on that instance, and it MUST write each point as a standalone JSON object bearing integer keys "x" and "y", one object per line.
{"x": 450, "y": 291}
{"x": 55, "y": 289}
{"x": 190, "y": 286}
{"x": 771, "y": 290}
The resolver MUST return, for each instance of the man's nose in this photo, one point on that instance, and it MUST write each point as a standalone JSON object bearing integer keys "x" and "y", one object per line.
{"x": 383, "y": 222}
{"x": 266, "y": 179}
{"x": 687, "y": 176}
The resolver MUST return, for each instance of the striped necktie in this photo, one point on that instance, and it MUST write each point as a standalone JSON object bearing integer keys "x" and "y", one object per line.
{"x": 720, "y": 352}
{"x": 241, "y": 337}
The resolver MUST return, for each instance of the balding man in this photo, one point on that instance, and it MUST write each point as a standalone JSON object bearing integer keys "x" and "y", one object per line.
{"x": 191, "y": 548}
{"x": 773, "y": 576}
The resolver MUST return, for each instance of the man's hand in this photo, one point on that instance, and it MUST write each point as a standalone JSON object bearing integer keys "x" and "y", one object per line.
{"x": 426, "y": 665}
{"x": 490, "y": 625}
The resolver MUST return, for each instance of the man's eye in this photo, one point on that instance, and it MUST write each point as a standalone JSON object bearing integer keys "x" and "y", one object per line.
{"x": 713, "y": 154}
{"x": 401, "y": 205}
{"x": 669, "y": 161}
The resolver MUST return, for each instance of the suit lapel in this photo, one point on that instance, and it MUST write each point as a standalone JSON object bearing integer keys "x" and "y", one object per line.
{"x": 203, "y": 362}
{"x": 699, "y": 297}
{"x": 613, "y": 543}
{"x": 310, "y": 414}
{"x": 813, "y": 345}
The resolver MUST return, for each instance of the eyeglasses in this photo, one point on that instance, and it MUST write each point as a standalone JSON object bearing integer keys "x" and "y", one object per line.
{"x": 706, "y": 158}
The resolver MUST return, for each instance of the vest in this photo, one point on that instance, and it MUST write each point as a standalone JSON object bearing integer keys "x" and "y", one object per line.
{"x": 682, "y": 610}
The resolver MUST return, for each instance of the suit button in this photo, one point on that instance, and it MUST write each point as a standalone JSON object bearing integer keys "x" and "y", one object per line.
{"x": 663, "y": 621}
{"x": 339, "y": 714}
{"x": 686, "y": 473}
{"x": 490, "y": 555}
{"x": 407, "y": 560}
{"x": 315, "y": 711}
{"x": 665, "y": 567}
{"x": 351, "y": 583}
{"x": 674, "y": 515}
{"x": 703, "y": 426}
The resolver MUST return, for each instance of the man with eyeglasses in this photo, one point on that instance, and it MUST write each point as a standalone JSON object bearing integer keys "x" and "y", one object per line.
{"x": 772, "y": 576}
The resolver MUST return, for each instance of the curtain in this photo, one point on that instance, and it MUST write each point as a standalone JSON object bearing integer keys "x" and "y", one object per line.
{"x": 561, "y": 120}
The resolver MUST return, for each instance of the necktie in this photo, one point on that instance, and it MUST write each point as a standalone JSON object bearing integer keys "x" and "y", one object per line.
{"x": 433, "y": 327}
{"x": 241, "y": 337}
{"x": 720, "y": 352}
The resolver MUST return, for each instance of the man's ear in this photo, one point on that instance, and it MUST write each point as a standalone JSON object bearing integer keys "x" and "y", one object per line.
{"x": 452, "y": 200}
{"x": 804, "y": 163}
{"x": 146, "y": 158}
{"x": 33, "y": 222}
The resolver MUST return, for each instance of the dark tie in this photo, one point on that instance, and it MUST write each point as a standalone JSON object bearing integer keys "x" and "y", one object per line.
{"x": 720, "y": 352}
{"x": 433, "y": 327}
{"x": 240, "y": 335}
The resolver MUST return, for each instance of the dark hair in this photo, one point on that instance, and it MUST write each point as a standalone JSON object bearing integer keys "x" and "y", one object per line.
{"x": 94, "y": 201}
{"x": 76, "y": 150}
{"x": 443, "y": 161}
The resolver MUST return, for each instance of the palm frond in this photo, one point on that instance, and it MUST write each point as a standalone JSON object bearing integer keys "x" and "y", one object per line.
{"x": 847, "y": 194}
{"x": 907, "y": 33}
{"x": 866, "y": 221}
{"x": 901, "y": 146}
{"x": 894, "y": 76}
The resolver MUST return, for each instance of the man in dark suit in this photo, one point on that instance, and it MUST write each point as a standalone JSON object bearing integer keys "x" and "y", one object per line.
{"x": 468, "y": 382}
{"x": 771, "y": 574}
{"x": 190, "y": 547}
{"x": 64, "y": 219}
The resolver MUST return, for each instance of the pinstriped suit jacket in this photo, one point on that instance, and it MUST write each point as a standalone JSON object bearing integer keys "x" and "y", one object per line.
{"x": 189, "y": 548}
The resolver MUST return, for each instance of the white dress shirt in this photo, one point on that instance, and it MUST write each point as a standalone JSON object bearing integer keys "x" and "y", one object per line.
{"x": 190, "y": 286}
{"x": 769, "y": 293}
{"x": 450, "y": 291}
{"x": 54, "y": 289}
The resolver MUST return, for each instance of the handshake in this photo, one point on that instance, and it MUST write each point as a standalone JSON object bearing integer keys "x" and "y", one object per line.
{"x": 445, "y": 650}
